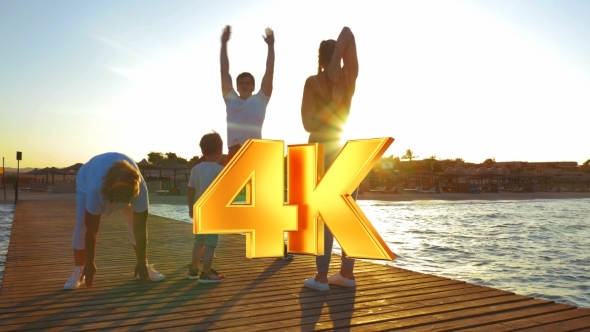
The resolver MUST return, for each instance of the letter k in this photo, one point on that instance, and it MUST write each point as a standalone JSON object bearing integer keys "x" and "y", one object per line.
{"x": 327, "y": 199}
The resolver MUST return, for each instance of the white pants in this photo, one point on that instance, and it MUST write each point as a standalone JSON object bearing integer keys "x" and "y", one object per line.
{"x": 79, "y": 241}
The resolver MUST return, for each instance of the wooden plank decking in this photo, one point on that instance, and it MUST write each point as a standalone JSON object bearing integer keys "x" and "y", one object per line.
{"x": 259, "y": 294}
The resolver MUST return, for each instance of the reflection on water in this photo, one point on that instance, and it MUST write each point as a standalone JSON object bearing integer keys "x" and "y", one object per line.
{"x": 537, "y": 248}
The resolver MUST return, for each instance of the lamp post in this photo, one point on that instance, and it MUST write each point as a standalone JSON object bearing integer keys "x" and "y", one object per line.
{"x": 19, "y": 157}
{"x": 4, "y": 184}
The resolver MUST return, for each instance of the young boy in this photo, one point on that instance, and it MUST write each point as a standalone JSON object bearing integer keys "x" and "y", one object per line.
{"x": 202, "y": 175}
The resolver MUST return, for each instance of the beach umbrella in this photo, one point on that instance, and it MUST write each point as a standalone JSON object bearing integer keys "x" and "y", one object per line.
{"x": 74, "y": 168}
{"x": 174, "y": 166}
{"x": 546, "y": 177}
{"x": 496, "y": 179}
{"x": 511, "y": 178}
{"x": 34, "y": 172}
{"x": 144, "y": 165}
{"x": 185, "y": 172}
{"x": 53, "y": 171}
{"x": 419, "y": 176}
{"x": 586, "y": 180}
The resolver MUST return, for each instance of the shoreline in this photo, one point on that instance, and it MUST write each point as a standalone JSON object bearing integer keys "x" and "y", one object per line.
{"x": 503, "y": 196}
{"x": 181, "y": 200}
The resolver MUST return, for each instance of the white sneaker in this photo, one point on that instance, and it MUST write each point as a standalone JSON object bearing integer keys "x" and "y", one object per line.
{"x": 338, "y": 279}
{"x": 154, "y": 275}
{"x": 76, "y": 279}
{"x": 312, "y": 283}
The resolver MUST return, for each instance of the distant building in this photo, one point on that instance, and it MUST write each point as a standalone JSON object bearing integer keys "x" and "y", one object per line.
{"x": 567, "y": 166}
{"x": 439, "y": 166}
{"x": 547, "y": 170}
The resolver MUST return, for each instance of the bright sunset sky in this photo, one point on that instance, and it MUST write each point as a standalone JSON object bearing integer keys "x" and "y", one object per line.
{"x": 499, "y": 79}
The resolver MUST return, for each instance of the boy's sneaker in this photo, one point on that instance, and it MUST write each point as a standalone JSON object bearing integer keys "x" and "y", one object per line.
{"x": 154, "y": 275}
{"x": 192, "y": 273}
{"x": 76, "y": 279}
{"x": 211, "y": 277}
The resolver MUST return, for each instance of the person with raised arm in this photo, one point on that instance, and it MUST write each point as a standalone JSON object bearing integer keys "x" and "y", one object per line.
{"x": 245, "y": 110}
{"x": 325, "y": 107}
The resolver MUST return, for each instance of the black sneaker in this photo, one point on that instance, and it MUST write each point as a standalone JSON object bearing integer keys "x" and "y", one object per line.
{"x": 211, "y": 277}
{"x": 192, "y": 273}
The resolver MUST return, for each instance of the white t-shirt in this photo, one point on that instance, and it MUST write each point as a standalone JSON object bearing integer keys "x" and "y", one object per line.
{"x": 244, "y": 117}
{"x": 89, "y": 180}
{"x": 202, "y": 175}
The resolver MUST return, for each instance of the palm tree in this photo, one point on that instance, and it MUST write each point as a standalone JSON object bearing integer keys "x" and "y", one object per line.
{"x": 409, "y": 155}
{"x": 489, "y": 162}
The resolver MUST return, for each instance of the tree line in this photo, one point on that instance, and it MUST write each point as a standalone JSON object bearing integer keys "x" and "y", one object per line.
{"x": 157, "y": 158}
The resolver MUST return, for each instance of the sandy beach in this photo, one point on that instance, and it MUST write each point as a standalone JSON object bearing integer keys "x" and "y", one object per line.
{"x": 181, "y": 200}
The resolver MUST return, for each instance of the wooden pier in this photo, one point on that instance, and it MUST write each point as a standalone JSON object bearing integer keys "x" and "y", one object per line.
{"x": 259, "y": 294}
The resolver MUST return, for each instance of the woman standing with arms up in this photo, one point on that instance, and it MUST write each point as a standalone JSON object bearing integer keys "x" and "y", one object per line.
{"x": 326, "y": 102}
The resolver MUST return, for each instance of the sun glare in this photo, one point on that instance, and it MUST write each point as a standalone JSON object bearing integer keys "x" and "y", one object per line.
{"x": 345, "y": 136}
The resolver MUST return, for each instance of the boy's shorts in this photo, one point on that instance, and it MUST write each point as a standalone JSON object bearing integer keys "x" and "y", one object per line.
{"x": 209, "y": 240}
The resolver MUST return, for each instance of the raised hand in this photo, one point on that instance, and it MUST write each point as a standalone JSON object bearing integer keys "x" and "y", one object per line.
{"x": 226, "y": 33}
{"x": 270, "y": 36}
{"x": 142, "y": 270}
{"x": 89, "y": 272}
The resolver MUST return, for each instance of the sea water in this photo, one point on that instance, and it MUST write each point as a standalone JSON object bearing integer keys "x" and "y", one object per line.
{"x": 537, "y": 248}
{"x": 6, "y": 217}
